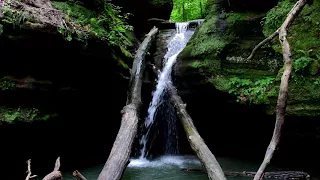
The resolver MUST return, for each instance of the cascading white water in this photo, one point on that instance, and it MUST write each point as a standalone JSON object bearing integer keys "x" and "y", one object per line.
{"x": 175, "y": 46}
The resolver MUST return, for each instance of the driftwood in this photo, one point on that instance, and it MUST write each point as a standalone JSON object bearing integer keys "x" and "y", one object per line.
{"x": 283, "y": 93}
{"x": 55, "y": 174}
{"x": 297, "y": 175}
{"x": 29, "y": 176}
{"x": 121, "y": 149}
{"x": 78, "y": 175}
{"x": 197, "y": 144}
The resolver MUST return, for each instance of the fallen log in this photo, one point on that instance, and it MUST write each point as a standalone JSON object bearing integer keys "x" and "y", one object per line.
{"x": 296, "y": 175}
{"x": 121, "y": 149}
{"x": 78, "y": 175}
{"x": 283, "y": 93}
{"x": 55, "y": 174}
{"x": 197, "y": 144}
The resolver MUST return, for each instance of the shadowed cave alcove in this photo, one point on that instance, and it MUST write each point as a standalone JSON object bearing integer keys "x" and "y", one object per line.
{"x": 85, "y": 90}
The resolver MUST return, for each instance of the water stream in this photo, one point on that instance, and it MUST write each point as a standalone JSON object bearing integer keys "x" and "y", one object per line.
{"x": 170, "y": 168}
{"x": 175, "y": 46}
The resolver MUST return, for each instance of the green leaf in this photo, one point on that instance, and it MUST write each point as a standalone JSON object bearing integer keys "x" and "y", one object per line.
{"x": 69, "y": 37}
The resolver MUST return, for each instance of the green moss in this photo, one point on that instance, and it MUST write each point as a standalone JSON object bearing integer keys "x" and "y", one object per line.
{"x": 7, "y": 84}
{"x": 11, "y": 115}
{"x": 314, "y": 67}
{"x": 303, "y": 33}
{"x": 221, "y": 83}
{"x": 1, "y": 29}
{"x": 233, "y": 18}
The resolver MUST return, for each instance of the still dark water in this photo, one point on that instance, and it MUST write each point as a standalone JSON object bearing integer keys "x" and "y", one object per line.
{"x": 170, "y": 168}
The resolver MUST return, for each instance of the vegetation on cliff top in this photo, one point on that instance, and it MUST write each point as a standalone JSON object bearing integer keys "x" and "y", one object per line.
{"x": 109, "y": 25}
{"x": 75, "y": 22}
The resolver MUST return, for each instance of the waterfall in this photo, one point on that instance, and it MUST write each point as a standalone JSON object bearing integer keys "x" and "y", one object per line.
{"x": 175, "y": 46}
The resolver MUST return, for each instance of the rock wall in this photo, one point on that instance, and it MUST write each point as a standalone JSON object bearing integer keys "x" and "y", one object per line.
{"x": 217, "y": 55}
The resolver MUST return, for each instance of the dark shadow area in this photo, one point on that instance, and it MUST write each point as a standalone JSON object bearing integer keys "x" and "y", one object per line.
{"x": 87, "y": 93}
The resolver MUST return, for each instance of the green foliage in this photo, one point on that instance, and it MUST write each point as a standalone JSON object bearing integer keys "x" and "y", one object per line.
{"x": 276, "y": 16}
{"x": 317, "y": 81}
{"x": 305, "y": 60}
{"x": 11, "y": 115}
{"x": 7, "y": 84}
{"x": 207, "y": 67}
{"x": 13, "y": 17}
{"x": 161, "y": 2}
{"x": 185, "y": 10}
{"x": 303, "y": 33}
{"x": 301, "y": 63}
{"x": 109, "y": 25}
{"x": 257, "y": 92}
{"x": 1, "y": 29}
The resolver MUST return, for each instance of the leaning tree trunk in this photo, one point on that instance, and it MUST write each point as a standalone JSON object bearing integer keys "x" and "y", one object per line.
{"x": 197, "y": 144}
{"x": 283, "y": 93}
{"x": 120, "y": 153}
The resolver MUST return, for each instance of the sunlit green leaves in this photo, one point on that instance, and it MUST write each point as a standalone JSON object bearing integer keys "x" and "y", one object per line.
{"x": 185, "y": 10}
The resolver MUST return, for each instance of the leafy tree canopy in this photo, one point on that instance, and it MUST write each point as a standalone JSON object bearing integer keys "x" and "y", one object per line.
{"x": 185, "y": 10}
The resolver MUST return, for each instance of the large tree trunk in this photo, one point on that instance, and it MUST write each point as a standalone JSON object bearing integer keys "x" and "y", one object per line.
{"x": 197, "y": 144}
{"x": 283, "y": 93}
{"x": 120, "y": 153}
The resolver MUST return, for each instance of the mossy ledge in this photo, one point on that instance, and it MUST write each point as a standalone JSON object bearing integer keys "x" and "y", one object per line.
{"x": 217, "y": 55}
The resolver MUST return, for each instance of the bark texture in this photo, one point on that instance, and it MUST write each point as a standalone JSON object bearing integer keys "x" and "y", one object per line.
{"x": 297, "y": 175}
{"x": 29, "y": 176}
{"x": 283, "y": 93}
{"x": 121, "y": 149}
{"x": 78, "y": 175}
{"x": 197, "y": 144}
{"x": 55, "y": 174}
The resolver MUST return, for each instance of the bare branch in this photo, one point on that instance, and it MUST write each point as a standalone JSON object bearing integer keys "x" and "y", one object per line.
{"x": 262, "y": 43}
{"x": 29, "y": 176}
{"x": 57, "y": 165}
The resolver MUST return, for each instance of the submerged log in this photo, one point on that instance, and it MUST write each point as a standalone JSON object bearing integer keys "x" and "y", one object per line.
{"x": 197, "y": 144}
{"x": 297, "y": 175}
{"x": 121, "y": 149}
{"x": 78, "y": 175}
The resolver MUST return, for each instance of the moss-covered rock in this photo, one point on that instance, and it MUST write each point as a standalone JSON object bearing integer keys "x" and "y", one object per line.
{"x": 218, "y": 52}
{"x": 13, "y": 115}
